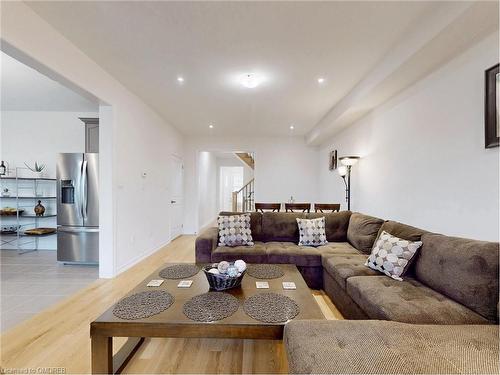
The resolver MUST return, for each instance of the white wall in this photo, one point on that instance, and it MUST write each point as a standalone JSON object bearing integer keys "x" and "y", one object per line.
{"x": 423, "y": 156}
{"x": 134, "y": 137}
{"x": 283, "y": 167}
{"x": 207, "y": 188}
{"x": 29, "y": 136}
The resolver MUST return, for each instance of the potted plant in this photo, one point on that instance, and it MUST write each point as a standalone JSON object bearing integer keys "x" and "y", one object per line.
{"x": 37, "y": 169}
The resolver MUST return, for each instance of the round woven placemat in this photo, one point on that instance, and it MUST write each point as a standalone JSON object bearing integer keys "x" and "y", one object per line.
{"x": 271, "y": 308}
{"x": 265, "y": 271}
{"x": 143, "y": 304}
{"x": 211, "y": 306}
{"x": 179, "y": 271}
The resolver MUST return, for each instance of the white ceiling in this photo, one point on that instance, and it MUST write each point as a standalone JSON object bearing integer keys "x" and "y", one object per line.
{"x": 146, "y": 45}
{"x": 25, "y": 89}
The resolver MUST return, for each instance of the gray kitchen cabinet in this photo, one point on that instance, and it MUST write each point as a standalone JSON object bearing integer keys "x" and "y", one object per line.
{"x": 91, "y": 134}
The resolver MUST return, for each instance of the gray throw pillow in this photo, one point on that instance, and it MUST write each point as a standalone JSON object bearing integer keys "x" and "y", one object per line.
{"x": 392, "y": 255}
{"x": 312, "y": 232}
{"x": 235, "y": 230}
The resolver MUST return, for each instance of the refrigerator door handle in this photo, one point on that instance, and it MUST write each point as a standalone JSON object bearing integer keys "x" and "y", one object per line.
{"x": 84, "y": 190}
{"x": 78, "y": 198}
{"x": 77, "y": 229}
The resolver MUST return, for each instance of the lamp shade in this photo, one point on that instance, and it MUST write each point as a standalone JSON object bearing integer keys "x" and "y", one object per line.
{"x": 342, "y": 169}
{"x": 349, "y": 160}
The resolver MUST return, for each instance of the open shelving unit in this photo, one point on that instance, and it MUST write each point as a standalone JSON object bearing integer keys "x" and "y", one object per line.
{"x": 27, "y": 191}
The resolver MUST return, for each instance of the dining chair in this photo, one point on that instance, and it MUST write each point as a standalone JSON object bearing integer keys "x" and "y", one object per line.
{"x": 275, "y": 207}
{"x": 321, "y": 207}
{"x": 291, "y": 207}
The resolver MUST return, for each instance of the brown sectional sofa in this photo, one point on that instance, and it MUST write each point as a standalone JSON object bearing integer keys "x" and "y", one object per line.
{"x": 449, "y": 295}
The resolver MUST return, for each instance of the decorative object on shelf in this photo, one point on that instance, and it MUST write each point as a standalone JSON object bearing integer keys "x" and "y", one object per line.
{"x": 6, "y": 192}
{"x": 265, "y": 271}
{"x": 37, "y": 169}
{"x": 179, "y": 271}
{"x": 211, "y": 306}
{"x": 9, "y": 230}
{"x": 333, "y": 160}
{"x": 40, "y": 231}
{"x": 345, "y": 170}
{"x": 271, "y": 308}
{"x": 143, "y": 305}
{"x": 10, "y": 211}
{"x": 225, "y": 275}
{"x": 39, "y": 209}
{"x": 3, "y": 168}
{"x": 492, "y": 107}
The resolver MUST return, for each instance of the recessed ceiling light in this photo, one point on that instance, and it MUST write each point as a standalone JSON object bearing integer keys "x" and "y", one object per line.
{"x": 292, "y": 127}
{"x": 251, "y": 80}
{"x": 211, "y": 126}
{"x": 180, "y": 79}
{"x": 321, "y": 80}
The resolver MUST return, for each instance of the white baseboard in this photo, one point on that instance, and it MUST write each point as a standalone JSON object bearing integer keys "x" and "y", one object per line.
{"x": 137, "y": 259}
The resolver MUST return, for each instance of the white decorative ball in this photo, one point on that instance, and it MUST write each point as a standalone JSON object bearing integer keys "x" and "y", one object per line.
{"x": 223, "y": 266}
{"x": 232, "y": 271}
{"x": 240, "y": 265}
{"x": 215, "y": 271}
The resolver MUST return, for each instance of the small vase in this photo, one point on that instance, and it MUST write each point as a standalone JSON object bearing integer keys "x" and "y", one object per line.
{"x": 39, "y": 209}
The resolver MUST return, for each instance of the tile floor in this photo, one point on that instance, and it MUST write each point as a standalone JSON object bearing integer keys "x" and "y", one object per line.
{"x": 33, "y": 281}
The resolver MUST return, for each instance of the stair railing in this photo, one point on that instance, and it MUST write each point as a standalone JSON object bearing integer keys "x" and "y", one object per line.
{"x": 243, "y": 199}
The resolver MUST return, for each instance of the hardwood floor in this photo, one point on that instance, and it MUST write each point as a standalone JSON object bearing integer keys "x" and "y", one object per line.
{"x": 59, "y": 336}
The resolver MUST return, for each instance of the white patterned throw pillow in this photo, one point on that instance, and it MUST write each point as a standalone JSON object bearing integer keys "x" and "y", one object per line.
{"x": 392, "y": 255}
{"x": 235, "y": 230}
{"x": 312, "y": 232}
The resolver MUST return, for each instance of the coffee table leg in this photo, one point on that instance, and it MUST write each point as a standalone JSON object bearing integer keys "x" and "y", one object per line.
{"x": 125, "y": 354}
{"x": 102, "y": 354}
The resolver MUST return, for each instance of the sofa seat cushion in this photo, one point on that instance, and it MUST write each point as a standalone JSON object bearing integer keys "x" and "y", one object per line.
{"x": 250, "y": 254}
{"x": 407, "y": 301}
{"x": 380, "y": 347}
{"x": 290, "y": 253}
{"x": 337, "y": 248}
{"x": 341, "y": 267}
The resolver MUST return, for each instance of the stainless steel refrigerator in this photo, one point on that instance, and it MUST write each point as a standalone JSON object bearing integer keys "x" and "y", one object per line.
{"x": 78, "y": 208}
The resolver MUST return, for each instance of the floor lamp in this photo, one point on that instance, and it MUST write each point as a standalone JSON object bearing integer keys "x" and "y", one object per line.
{"x": 345, "y": 170}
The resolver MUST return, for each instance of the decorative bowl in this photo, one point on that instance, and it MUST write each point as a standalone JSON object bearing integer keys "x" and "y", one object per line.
{"x": 221, "y": 282}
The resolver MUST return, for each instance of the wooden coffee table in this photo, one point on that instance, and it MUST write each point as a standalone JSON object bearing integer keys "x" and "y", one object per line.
{"x": 173, "y": 323}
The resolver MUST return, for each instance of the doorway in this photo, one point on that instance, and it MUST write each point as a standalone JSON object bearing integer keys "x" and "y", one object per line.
{"x": 176, "y": 197}
{"x": 231, "y": 180}
{"x": 225, "y": 183}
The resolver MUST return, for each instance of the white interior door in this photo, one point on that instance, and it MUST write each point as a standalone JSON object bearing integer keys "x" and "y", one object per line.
{"x": 231, "y": 179}
{"x": 176, "y": 197}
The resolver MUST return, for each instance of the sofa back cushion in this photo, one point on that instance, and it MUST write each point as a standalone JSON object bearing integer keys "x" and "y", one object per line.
{"x": 255, "y": 223}
{"x": 281, "y": 226}
{"x": 462, "y": 269}
{"x": 363, "y": 231}
{"x": 336, "y": 224}
{"x": 401, "y": 230}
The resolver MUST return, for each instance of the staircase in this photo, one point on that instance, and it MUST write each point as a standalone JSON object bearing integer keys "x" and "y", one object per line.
{"x": 246, "y": 158}
{"x": 243, "y": 199}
